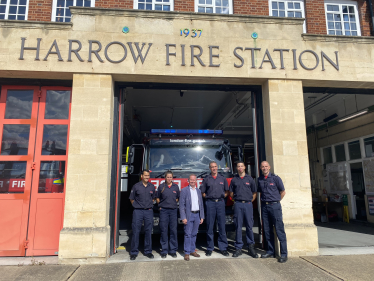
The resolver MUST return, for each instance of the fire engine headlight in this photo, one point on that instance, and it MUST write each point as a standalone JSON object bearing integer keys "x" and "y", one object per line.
{"x": 229, "y": 219}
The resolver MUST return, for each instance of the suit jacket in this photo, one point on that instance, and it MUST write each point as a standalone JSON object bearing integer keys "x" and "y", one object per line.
{"x": 185, "y": 203}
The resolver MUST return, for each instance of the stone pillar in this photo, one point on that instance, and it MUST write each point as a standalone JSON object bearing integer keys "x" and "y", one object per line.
{"x": 287, "y": 154}
{"x": 85, "y": 237}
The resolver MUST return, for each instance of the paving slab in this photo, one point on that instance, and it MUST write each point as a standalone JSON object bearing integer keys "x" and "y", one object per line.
{"x": 357, "y": 267}
{"x": 204, "y": 269}
{"x": 37, "y": 272}
{"x": 28, "y": 260}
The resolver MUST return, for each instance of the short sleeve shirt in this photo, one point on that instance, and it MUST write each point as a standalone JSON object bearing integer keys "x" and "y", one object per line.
{"x": 270, "y": 187}
{"x": 243, "y": 188}
{"x": 214, "y": 188}
{"x": 142, "y": 195}
{"x": 168, "y": 195}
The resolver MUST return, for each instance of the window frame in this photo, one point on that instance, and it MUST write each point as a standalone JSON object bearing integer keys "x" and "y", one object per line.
{"x": 341, "y": 3}
{"x": 302, "y": 4}
{"x": 54, "y": 7}
{"x": 135, "y": 6}
{"x": 7, "y": 10}
{"x": 231, "y": 10}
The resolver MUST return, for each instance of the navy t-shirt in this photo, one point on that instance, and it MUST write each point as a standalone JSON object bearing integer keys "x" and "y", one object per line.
{"x": 142, "y": 195}
{"x": 214, "y": 188}
{"x": 270, "y": 187}
{"x": 168, "y": 196}
{"x": 243, "y": 188}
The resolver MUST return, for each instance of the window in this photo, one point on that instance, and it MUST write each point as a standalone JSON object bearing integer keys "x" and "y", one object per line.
{"x": 339, "y": 152}
{"x": 213, "y": 6}
{"x": 342, "y": 18}
{"x": 327, "y": 155}
{"x": 354, "y": 150}
{"x": 61, "y": 12}
{"x": 158, "y": 5}
{"x": 14, "y": 9}
{"x": 369, "y": 147}
{"x": 290, "y": 9}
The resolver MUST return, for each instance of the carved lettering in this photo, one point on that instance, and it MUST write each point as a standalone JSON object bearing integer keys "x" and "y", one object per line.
{"x": 140, "y": 50}
{"x": 23, "y": 48}
{"x": 57, "y": 52}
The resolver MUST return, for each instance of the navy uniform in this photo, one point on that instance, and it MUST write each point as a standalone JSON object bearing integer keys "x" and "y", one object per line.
{"x": 243, "y": 189}
{"x": 214, "y": 189}
{"x": 143, "y": 197}
{"x": 168, "y": 217}
{"x": 271, "y": 208}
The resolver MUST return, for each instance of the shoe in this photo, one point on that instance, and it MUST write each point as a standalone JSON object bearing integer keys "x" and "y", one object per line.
{"x": 225, "y": 253}
{"x": 150, "y": 256}
{"x": 133, "y": 257}
{"x": 208, "y": 253}
{"x": 251, "y": 251}
{"x": 267, "y": 255}
{"x": 163, "y": 256}
{"x": 196, "y": 255}
{"x": 282, "y": 259}
{"x": 173, "y": 255}
{"x": 186, "y": 257}
{"x": 238, "y": 252}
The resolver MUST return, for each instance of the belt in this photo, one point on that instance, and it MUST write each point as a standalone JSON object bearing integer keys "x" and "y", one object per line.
{"x": 271, "y": 202}
{"x": 195, "y": 212}
{"x": 215, "y": 200}
{"x": 240, "y": 201}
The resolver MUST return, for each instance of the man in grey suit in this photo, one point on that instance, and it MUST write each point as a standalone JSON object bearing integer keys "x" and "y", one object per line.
{"x": 191, "y": 211}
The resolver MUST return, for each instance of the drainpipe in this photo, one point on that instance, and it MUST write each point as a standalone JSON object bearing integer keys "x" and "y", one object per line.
{"x": 372, "y": 16}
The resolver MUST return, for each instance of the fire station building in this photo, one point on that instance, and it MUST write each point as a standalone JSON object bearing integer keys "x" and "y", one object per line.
{"x": 291, "y": 81}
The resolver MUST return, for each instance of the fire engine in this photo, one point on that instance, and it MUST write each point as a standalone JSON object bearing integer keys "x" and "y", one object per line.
{"x": 183, "y": 152}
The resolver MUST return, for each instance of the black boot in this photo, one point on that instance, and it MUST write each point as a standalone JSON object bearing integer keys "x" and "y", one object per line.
{"x": 238, "y": 252}
{"x": 251, "y": 251}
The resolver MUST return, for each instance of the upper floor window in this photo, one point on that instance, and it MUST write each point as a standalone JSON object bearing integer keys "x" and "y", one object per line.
{"x": 14, "y": 9}
{"x": 158, "y": 5}
{"x": 213, "y": 6}
{"x": 342, "y": 18}
{"x": 290, "y": 9}
{"x": 61, "y": 11}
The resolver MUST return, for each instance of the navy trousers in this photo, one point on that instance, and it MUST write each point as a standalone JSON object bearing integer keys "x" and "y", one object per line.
{"x": 137, "y": 219}
{"x": 190, "y": 233}
{"x": 168, "y": 220}
{"x": 272, "y": 216}
{"x": 216, "y": 210}
{"x": 243, "y": 212}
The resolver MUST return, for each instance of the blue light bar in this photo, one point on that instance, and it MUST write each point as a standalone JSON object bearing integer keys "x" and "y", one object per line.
{"x": 186, "y": 132}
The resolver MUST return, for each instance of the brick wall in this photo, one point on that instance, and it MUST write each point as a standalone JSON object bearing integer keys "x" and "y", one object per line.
{"x": 251, "y": 7}
{"x": 40, "y": 10}
{"x": 184, "y": 5}
{"x": 120, "y": 4}
{"x": 365, "y": 19}
{"x": 315, "y": 16}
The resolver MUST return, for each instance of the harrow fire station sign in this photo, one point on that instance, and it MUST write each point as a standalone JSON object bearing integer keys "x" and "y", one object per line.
{"x": 140, "y": 51}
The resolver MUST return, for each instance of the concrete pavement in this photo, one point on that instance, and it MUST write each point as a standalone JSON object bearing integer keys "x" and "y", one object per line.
{"x": 354, "y": 267}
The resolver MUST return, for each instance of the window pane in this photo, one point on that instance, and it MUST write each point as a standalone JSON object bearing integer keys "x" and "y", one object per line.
{"x": 158, "y": 7}
{"x": 12, "y": 9}
{"x": 369, "y": 147}
{"x": 339, "y": 152}
{"x": 13, "y": 2}
{"x": 209, "y": 10}
{"x": 218, "y": 2}
{"x": 338, "y": 25}
{"x": 297, "y": 6}
{"x": 54, "y": 139}
{"x": 275, "y": 13}
{"x": 79, "y": 3}
{"x": 339, "y": 32}
{"x": 327, "y": 155}
{"x": 353, "y": 26}
{"x": 87, "y": 3}
{"x": 15, "y": 140}
{"x": 209, "y": 2}
{"x": 225, "y": 3}
{"x": 166, "y": 8}
{"x": 22, "y": 10}
{"x": 290, "y": 5}
{"x": 330, "y": 25}
{"x": 218, "y": 10}
{"x": 329, "y": 17}
{"x": 290, "y": 14}
{"x": 19, "y": 104}
{"x": 351, "y": 9}
{"x": 331, "y": 32}
{"x": 281, "y": 5}
{"x": 201, "y": 1}
{"x": 282, "y": 13}
{"x": 298, "y": 15}
{"x": 345, "y": 9}
{"x": 20, "y": 17}
{"x": 354, "y": 150}
{"x": 330, "y": 7}
{"x": 140, "y": 6}
{"x": 51, "y": 177}
{"x": 22, "y": 2}
{"x": 12, "y": 176}
{"x": 354, "y": 33}
{"x": 274, "y": 5}
{"x": 201, "y": 10}
{"x": 148, "y": 7}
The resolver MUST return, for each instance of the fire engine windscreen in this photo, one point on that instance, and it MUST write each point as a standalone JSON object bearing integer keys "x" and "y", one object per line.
{"x": 194, "y": 158}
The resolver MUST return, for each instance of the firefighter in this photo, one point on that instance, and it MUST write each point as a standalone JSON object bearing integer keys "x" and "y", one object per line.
{"x": 167, "y": 197}
{"x": 142, "y": 196}
{"x": 215, "y": 189}
{"x": 272, "y": 192}
{"x": 243, "y": 191}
